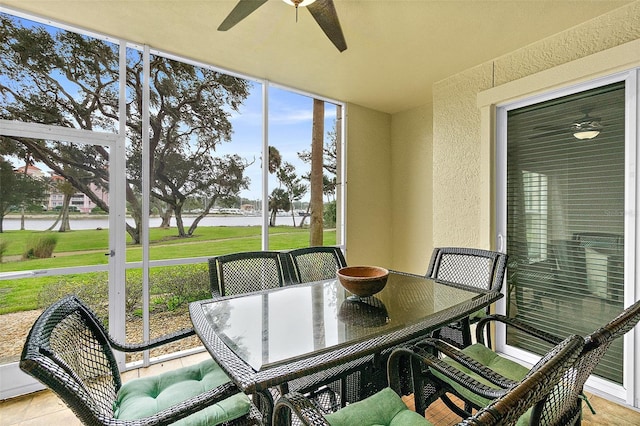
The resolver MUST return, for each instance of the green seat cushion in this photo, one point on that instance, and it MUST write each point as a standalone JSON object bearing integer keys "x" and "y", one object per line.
{"x": 384, "y": 408}
{"x": 485, "y": 356}
{"x": 147, "y": 396}
{"x": 477, "y": 315}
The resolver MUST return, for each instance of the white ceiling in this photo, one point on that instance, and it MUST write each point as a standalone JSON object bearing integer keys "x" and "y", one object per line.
{"x": 396, "y": 49}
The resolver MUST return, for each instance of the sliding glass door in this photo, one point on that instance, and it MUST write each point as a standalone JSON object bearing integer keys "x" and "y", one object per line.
{"x": 567, "y": 159}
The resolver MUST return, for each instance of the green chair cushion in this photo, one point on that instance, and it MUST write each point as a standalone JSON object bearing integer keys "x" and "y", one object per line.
{"x": 147, "y": 396}
{"x": 477, "y": 315}
{"x": 384, "y": 408}
{"x": 485, "y": 356}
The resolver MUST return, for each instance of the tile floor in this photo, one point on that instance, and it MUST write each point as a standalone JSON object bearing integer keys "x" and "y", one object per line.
{"x": 607, "y": 413}
{"x": 45, "y": 408}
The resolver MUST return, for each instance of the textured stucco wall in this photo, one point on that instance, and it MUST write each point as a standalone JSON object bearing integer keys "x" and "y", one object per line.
{"x": 368, "y": 205}
{"x": 456, "y": 158}
{"x": 411, "y": 166}
{"x": 459, "y": 177}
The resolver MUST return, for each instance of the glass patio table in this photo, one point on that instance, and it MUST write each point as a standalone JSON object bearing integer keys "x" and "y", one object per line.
{"x": 266, "y": 339}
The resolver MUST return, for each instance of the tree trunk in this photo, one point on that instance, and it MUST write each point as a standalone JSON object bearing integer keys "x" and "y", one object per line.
{"x": 179, "y": 223}
{"x": 317, "y": 144}
{"x": 166, "y": 218}
{"x": 201, "y": 216}
{"x": 26, "y": 174}
{"x": 305, "y": 216}
{"x": 293, "y": 213}
{"x": 64, "y": 221}
{"x": 56, "y": 221}
{"x": 22, "y": 217}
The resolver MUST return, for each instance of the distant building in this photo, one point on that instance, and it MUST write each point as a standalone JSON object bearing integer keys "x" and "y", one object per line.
{"x": 55, "y": 198}
{"x": 79, "y": 200}
{"x": 32, "y": 171}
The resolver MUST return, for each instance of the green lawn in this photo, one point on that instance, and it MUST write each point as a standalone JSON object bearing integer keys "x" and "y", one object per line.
{"x": 88, "y": 247}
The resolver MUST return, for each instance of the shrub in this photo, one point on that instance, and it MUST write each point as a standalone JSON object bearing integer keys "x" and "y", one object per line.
{"x": 172, "y": 287}
{"x": 40, "y": 247}
{"x": 329, "y": 215}
{"x": 179, "y": 285}
{"x": 92, "y": 288}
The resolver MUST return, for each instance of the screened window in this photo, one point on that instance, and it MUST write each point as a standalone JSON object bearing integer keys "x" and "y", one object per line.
{"x": 185, "y": 185}
{"x": 565, "y": 217}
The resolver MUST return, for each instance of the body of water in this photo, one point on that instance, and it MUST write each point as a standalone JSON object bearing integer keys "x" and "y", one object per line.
{"x": 12, "y": 223}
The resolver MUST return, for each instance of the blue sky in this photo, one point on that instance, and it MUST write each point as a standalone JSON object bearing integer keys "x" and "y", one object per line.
{"x": 290, "y": 125}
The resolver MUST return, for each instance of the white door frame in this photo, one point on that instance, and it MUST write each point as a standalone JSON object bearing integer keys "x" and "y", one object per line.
{"x": 14, "y": 382}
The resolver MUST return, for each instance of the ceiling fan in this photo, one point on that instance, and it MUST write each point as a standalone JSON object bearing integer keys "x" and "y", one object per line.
{"x": 323, "y": 11}
{"x": 583, "y": 128}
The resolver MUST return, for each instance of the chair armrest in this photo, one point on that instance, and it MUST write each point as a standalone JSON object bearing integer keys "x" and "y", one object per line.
{"x": 426, "y": 348}
{"x": 295, "y": 404}
{"x": 532, "y": 331}
{"x": 422, "y": 357}
{"x": 153, "y": 343}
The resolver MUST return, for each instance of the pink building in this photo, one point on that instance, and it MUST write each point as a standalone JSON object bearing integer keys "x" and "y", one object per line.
{"x": 79, "y": 200}
{"x": 55, "y": 198}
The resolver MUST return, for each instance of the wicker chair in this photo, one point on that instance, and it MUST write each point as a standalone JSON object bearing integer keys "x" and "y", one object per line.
{"x": 69, "y": 351}
{"x": 477, "y": 268}
{"x": 315, "y": 263}
{"x": 532, "y": 398}
{"x": 479, "y": 361}
{"x": 246, "y": 272}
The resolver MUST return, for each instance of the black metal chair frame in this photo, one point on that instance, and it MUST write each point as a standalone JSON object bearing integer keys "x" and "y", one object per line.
{"x": 595, "y": 346}
{"x": 70, "y": 352}
{"x": 491, "y": 279}
{"x": 537, "y": 389}
{"x": 315, "y": 263}
{"x": 275, "y": 273}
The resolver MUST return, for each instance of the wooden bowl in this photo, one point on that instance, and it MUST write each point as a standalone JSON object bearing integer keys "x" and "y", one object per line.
{"x": 363, "y": 281}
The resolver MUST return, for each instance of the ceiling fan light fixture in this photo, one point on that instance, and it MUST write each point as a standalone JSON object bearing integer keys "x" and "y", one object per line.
{"x": 587, "y": 128}
{"x": 299, "y": 3}
{"x": 586, "y": 134}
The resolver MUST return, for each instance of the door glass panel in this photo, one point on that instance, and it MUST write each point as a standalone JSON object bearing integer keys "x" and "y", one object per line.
{"x": 56, "y": 219}
{"x": 565, "y": 217}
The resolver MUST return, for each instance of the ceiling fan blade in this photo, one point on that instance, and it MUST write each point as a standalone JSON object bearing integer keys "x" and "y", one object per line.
{"x": 324, "y": 12}
{"x": 243, "y": 9}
